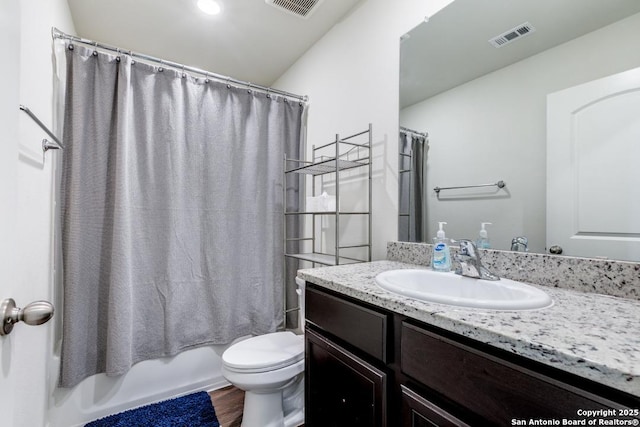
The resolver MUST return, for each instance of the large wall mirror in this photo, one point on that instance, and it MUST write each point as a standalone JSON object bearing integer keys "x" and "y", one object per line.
{"x": 479, "y": 78}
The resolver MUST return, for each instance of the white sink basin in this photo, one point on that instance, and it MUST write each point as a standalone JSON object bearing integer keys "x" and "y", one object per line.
{"x": 453, "y": 289}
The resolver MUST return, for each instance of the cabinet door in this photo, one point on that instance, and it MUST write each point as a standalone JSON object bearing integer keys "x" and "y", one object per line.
{"x": 419, "y": 412}
{"x": 342, "y": 390}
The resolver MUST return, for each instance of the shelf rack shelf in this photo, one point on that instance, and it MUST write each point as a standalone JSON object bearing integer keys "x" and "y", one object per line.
{"x": 328, "y": 166}
{"x": 347, "y": 153}
{"x": 324, "y": 259}
{"x": 328, "y": 213}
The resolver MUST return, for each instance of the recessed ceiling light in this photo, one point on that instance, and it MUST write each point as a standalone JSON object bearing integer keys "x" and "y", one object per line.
{"x": 210, "y": 7}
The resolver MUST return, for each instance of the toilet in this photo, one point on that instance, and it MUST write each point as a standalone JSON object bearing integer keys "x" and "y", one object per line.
{"x": 270, "y": 369}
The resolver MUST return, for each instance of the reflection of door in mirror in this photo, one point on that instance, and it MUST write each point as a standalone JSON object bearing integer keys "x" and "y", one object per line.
{"x": 412, "y": 161}
{"x": 593, "y": 147}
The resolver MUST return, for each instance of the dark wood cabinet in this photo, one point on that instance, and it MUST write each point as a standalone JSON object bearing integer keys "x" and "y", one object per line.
{"x": 369, "y": 367}
{"x": 342, "y": 390}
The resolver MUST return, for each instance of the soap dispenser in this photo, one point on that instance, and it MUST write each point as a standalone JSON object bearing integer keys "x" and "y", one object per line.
{"x": 441, "y": 260}
{"x": 483, "y": 238}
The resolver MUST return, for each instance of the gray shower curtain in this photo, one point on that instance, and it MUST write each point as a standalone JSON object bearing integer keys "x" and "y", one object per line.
{"x": 171, "y": 194}
{"x": 412, "y": 221}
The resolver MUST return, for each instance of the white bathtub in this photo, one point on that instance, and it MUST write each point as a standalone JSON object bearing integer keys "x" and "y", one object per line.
{"x": 147, "y": 382}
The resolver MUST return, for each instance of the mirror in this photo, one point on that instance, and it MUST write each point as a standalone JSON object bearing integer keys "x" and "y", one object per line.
{"x": 484, "y": 107}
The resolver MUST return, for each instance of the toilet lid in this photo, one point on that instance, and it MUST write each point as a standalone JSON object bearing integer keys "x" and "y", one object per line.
{"x": 265, "y": 352}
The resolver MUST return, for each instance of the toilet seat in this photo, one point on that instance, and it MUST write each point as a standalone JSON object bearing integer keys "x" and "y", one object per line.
{"x": 264, "y": 353}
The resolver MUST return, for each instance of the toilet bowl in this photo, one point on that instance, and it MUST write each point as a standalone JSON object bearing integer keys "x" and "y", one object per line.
{"x": 270, "y": 369}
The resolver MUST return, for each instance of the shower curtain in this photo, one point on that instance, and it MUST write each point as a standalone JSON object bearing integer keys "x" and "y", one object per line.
{"x": 412, "y": 223}
{"x": 171, "y": 193}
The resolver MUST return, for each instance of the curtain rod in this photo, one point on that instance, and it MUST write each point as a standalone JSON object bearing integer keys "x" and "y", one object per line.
{"x": 57, "y": 34}
{"x": 425, "y": 134}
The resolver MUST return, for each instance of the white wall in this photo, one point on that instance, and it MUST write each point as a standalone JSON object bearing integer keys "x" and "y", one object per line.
{"x": 495, "y": 128}
{"x": 351, "y": 76}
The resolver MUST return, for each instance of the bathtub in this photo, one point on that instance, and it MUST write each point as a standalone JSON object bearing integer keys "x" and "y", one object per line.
{"x": 147, "y": 382}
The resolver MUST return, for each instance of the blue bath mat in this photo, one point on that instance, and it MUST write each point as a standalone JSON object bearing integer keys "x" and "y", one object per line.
{"x": 193, "y": 410}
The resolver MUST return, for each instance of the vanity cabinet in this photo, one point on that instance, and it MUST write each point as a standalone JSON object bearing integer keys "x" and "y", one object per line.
{"x": 366, "y": 366}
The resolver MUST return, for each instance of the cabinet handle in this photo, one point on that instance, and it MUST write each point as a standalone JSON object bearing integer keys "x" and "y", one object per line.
{"x": 36, "y": 313}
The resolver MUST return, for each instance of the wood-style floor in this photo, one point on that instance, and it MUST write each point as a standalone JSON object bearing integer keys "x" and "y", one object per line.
{"x": 228, "y": 403}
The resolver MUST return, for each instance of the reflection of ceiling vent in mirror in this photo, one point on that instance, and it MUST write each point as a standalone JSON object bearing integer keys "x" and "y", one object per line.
{"x": 513, "y": 34}
{"x": 300, "y": 8}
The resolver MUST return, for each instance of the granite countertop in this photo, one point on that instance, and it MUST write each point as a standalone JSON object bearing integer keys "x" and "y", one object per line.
{"x": 591, "y": 335}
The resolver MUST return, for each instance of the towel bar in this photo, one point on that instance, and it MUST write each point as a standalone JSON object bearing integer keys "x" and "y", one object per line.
{"x": 46, "y": 144}
{"x": 499, "y": 184}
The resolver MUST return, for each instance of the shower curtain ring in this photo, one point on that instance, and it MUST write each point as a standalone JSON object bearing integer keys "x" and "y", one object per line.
{"x": 95, "y": 51}
{"x": 117, "y": 54}
{"x": 206, "y": 77}
{"x": 160, "y": 68}
{"x": 249, "y": 88}
{"x": 268, "y": 94}
{"x": 184, "y": 75}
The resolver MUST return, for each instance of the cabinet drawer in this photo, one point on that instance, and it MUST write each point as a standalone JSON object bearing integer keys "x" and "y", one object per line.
{"x": 361, "y": 327}
{"x": 494, "y": 389}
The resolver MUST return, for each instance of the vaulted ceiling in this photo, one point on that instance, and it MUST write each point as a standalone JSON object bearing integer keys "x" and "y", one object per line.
{"x": 250, "y": 40}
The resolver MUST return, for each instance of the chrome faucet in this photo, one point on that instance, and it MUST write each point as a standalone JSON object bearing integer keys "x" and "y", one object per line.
{"x": 469, "y": 262}
{"x": 520, "y": 244}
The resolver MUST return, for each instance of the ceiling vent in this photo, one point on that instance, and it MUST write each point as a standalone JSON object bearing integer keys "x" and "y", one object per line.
{"x": 513, "y": 34}
{"x": 300, "y": 8}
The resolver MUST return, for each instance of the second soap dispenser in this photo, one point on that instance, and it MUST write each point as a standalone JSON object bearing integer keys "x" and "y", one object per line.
{"x": 483, "y": 241}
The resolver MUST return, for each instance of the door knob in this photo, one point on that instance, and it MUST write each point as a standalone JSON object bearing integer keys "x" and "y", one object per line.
{"x": 36, "y": 313}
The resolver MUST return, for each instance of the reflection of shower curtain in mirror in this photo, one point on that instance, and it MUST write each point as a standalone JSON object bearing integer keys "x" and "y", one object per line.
{"x": 171, "y": 212}
{"x": 412, "y": 210}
